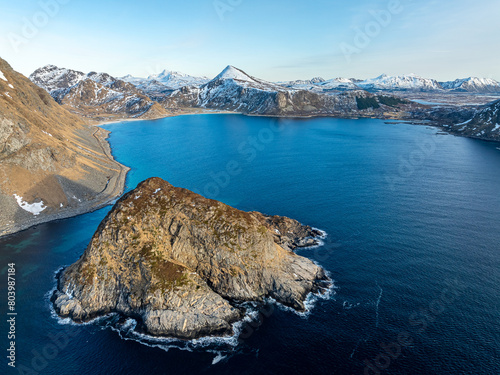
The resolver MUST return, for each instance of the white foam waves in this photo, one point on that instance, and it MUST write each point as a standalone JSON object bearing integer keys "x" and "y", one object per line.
{"x": 221, "y": 346}
{"x": 377, "y": 305}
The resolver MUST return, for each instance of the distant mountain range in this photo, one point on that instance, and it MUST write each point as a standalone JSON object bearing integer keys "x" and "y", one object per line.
{"x": 234, "y": 90}
{"x": 409, "y": 82}
{"x": 102, "y": 96}
{"x": 98, "y": 95}
{"x": 472, "y": 84}
{"x": 169, "y": 81}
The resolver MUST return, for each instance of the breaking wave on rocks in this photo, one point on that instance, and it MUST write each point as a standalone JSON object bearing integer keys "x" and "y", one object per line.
{"x": 222, "y": 347}
{"x": 311, "y": 299}
{"x": 319, "y": 239}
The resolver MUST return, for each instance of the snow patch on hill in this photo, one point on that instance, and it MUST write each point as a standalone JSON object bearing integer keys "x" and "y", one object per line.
{"x": 34, "y": 208}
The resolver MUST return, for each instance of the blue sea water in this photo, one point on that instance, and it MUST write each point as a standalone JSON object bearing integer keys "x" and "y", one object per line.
{"x": 413, "y": 223}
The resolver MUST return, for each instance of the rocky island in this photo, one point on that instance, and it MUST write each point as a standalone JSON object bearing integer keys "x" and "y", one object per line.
{"x": 177, "y": 263}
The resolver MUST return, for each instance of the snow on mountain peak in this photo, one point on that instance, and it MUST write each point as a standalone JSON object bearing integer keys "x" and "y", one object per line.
{"x": 401, "y": 82}
{"x": 169, "y": 79}
{"x": 472, "y": 84}
{"x": 230, "y": 72}
{"x": 48, "y": 67}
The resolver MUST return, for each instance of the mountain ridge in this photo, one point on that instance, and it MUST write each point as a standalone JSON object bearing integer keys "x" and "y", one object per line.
{"x": 99, "y": 96}
{"x": 52, "y": 164}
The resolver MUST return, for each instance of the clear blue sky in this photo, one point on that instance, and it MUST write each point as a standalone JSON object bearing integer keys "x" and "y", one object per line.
{"x": 271, "y": 39}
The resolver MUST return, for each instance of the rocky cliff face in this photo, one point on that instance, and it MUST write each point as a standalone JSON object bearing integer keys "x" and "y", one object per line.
{"x": 51, "y": 163}
{"x": 96, "y": 95}
{"x": 483, "y": 123}
{"x": 176, "y": 262}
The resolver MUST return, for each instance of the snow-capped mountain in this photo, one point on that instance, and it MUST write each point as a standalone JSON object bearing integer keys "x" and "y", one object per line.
{"x": 338, "y": 84}
{"x": 94, "y": 94}
{"x": 177, "y": 80}
{"x": 52, "y": 78}
{"x": 232, "y": 90}
{"x": 235, "y": 90}
{"x": 312, "y": 81}
{"x": 164, "y": 82}
{"x": 408, "y": 82}
{"x": 319, "y": 84}
{"x": 472, "y": 84}
{"x": 157, "y": 86}
{"x": 302, "y": 83}
{"x": 403, "y": 82}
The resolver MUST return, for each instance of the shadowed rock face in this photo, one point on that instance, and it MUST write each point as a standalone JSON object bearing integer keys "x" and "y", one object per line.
{"x": 176, "y": 260}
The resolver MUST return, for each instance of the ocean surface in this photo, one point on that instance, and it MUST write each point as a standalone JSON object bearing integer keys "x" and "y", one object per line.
{"x": 413, "y": 246}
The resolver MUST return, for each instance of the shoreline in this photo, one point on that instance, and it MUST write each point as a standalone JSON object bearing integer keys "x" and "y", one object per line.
{"x": 112, "y": 191}
{"x": 203, "y": 112}
{"x": 116, "y": 186}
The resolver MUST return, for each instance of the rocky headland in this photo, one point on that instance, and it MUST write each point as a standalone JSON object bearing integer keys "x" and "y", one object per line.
{"x": 177, "y": 263}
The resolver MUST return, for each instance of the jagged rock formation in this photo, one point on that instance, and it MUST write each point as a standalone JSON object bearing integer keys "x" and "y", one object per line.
{"x": 52, "y": 164}
{"x": 176, "y": 261}
{"x": 96, "y": 95}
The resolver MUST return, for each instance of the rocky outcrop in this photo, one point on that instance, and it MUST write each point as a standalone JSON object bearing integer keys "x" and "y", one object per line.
{"x": 478, "y": 121}
{"x": 52, "y": 164}
{"x": 483, "y": 123}
{"x": 177, "y": 262}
